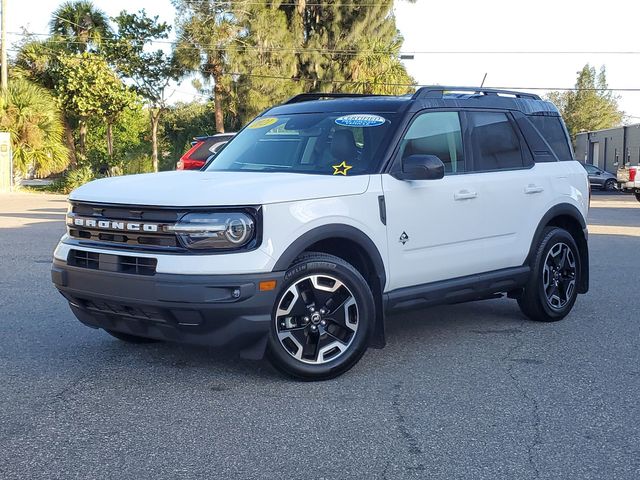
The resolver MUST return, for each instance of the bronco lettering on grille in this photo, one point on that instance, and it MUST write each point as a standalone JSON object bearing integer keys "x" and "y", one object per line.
{"x": 115, "y": 225}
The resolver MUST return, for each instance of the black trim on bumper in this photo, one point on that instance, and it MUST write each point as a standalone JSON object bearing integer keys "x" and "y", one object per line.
{"x": 214, "y": 310}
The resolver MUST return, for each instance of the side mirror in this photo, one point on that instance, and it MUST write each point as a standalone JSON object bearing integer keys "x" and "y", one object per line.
{"x": 421, "y": 167}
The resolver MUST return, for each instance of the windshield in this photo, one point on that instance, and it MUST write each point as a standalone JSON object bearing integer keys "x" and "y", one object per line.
{"x": 317, "y": 143}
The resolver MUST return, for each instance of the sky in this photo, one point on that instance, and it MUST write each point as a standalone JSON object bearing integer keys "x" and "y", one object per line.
{"x": 496, "y": 26}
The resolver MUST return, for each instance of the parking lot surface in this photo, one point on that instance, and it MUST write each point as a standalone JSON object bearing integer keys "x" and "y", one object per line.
{"x": 471, "y": 391}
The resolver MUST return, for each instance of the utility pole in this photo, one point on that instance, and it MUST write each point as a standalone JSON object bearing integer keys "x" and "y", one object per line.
{"x": 3, "y": 48}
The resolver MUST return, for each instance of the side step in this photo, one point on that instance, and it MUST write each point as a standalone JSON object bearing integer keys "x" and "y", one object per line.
{"x": 457, "y": 290}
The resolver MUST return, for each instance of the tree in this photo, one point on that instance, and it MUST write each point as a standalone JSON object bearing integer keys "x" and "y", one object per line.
{"x": 591, "y": 106}
{"x": 87, "y": 87}
{"x": 206, "y": 31}
{"x": 150, "y": 71}
{"x": 38, "y": 61}
{"x": 182, "y": 122}
{"x": 80, "y": 24}
{"x": 378, "y": 69}
{"x": 130, "y": 148}
{"x": 263, "y": 56}
{"x": 348, "y": 47}
{"x": 30, "y": 114}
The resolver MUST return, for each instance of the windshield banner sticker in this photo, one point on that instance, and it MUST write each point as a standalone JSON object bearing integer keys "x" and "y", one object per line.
{"x": 341, "y": 169}
{"x": 263, "y": 122}
{"x": 361, "y": 120}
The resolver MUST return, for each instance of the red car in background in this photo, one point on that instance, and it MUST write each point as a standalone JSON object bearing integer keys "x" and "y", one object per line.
{"x": 202, "y": 149}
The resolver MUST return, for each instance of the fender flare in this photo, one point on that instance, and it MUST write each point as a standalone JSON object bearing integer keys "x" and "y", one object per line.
{"x": 337, "y": 230}
{"x": 565, "y": 209}
{"x": 325, "y": 232}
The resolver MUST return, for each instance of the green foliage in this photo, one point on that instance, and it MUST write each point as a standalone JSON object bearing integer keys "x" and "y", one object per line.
{"x": 80, "y": 25}
{"x": 206, "y": 30}
{"x": 591, "y": 106}
{"x": 261, "y": 52}
{"x": 30, "y": 114}
{"x": 181, "y": 123}
{"x": 73, "y": 179}
{"x": 88, "y": 87}
{"x": 347, "y": 47}
{"x": 37, "y": 60}
{"x": 268, "y": 70}
{"x": 150, "y": 71}
{"x": 250, "y": 55}
{"x": 131, "y": 144}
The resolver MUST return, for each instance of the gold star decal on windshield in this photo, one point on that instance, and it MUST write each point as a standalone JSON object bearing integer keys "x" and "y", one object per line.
{"x": 341, "y": 169}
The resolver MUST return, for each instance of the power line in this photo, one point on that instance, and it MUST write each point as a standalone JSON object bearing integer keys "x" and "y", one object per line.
{"x": 349, "y": 51}
{"x": 307, "y": 4}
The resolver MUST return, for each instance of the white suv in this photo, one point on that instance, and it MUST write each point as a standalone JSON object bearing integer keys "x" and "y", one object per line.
{"x": 328, "y": 212}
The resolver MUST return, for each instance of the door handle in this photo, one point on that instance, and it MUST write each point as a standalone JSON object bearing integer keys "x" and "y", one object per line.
{"x": 464, "y": 195}
{"x": 531, "y": 188}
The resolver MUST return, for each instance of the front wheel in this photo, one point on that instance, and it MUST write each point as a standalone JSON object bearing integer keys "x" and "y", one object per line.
{"x": 322, "y": 319}
{"x": 551, "y": 290}
{"x": 638, "y": 196}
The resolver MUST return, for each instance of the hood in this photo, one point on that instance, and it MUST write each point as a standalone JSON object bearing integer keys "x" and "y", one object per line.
{"x": 195, "y": 188}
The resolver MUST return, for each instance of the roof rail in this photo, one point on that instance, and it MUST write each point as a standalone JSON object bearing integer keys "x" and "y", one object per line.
{"x": 306, "y": 97}
{"x": 438, "y": 91}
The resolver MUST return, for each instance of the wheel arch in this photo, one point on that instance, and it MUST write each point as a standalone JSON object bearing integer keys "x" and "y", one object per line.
{"x": 569, "y": 218}
{"x": 353, "y": 246}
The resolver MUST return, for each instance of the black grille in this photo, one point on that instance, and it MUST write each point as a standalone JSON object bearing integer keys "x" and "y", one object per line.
{"x": 138, "y": 265}
{"x": 160, "y": 240}
{"x": 79, "y": 258}
{"x": 112, "y": 263}
{"x": 131, "y": 311}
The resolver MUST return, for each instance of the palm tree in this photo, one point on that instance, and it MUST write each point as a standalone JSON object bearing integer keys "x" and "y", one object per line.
{"x": 30, "y": 114}
{"x": 206, "y": 29}
{"x": 81, "y": 24}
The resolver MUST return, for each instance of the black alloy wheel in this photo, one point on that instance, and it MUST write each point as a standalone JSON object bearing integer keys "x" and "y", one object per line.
{"x": 322, "y": 318}
{"x": 610, "y": 185}
{"x": 552, "y": 288}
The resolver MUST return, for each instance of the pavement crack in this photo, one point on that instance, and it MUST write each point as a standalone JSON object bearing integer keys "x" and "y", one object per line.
{"x": 536, "y": 439}
{"x": 401, "y": 422}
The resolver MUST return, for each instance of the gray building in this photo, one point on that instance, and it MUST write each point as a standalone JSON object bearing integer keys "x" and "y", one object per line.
{"x": 609, "y": 148}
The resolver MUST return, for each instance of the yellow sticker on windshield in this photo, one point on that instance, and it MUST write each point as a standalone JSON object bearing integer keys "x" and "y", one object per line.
{"x": 341, "y": 169}
{"x": 263, "y": 122}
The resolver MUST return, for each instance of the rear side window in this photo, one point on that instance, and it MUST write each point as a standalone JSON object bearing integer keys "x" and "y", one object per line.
{"x": 495, "y": 143}
{"x": 552, "y": 131}
{"x": 436, "y": 133}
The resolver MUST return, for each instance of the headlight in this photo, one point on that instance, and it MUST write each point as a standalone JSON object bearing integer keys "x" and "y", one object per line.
{"x": 210, "y": 231}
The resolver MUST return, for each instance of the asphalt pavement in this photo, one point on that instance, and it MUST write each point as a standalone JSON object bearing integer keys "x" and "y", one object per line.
{"x": 471, "y": 391}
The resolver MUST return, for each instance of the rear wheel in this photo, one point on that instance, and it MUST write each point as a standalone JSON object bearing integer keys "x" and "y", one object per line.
{"x": 322, "y": 318}
{"x": 125, "y": 337}
{"x": 551, "y": 290}
{"x": 638, "y": 196}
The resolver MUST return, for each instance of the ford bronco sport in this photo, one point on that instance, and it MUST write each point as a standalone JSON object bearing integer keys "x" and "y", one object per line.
{"x": 328, "y": 212}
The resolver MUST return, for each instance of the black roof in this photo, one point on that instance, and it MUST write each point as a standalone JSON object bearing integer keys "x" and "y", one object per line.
{"x": 351, "y": 103}
{"x": 424, "y": 97}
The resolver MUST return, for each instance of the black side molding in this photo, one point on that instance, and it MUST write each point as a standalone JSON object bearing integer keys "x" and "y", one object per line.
{"x": 383, "y": 209}
{"x": 462, "y": 289}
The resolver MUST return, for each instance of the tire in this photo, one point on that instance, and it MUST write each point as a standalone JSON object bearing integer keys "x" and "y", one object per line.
{"x": 125, "y": 337}
{"x": 552, "y": 288}
{"x": 637, "y": 194}
{"x": 322, "y": 319}
{"x": 609, "y": 185}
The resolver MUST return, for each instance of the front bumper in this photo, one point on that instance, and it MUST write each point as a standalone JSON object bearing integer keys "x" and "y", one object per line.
{"x": 213, "y": 310}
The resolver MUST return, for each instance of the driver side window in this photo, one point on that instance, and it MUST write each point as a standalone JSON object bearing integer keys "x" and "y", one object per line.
{"x": 436, "y": 133}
